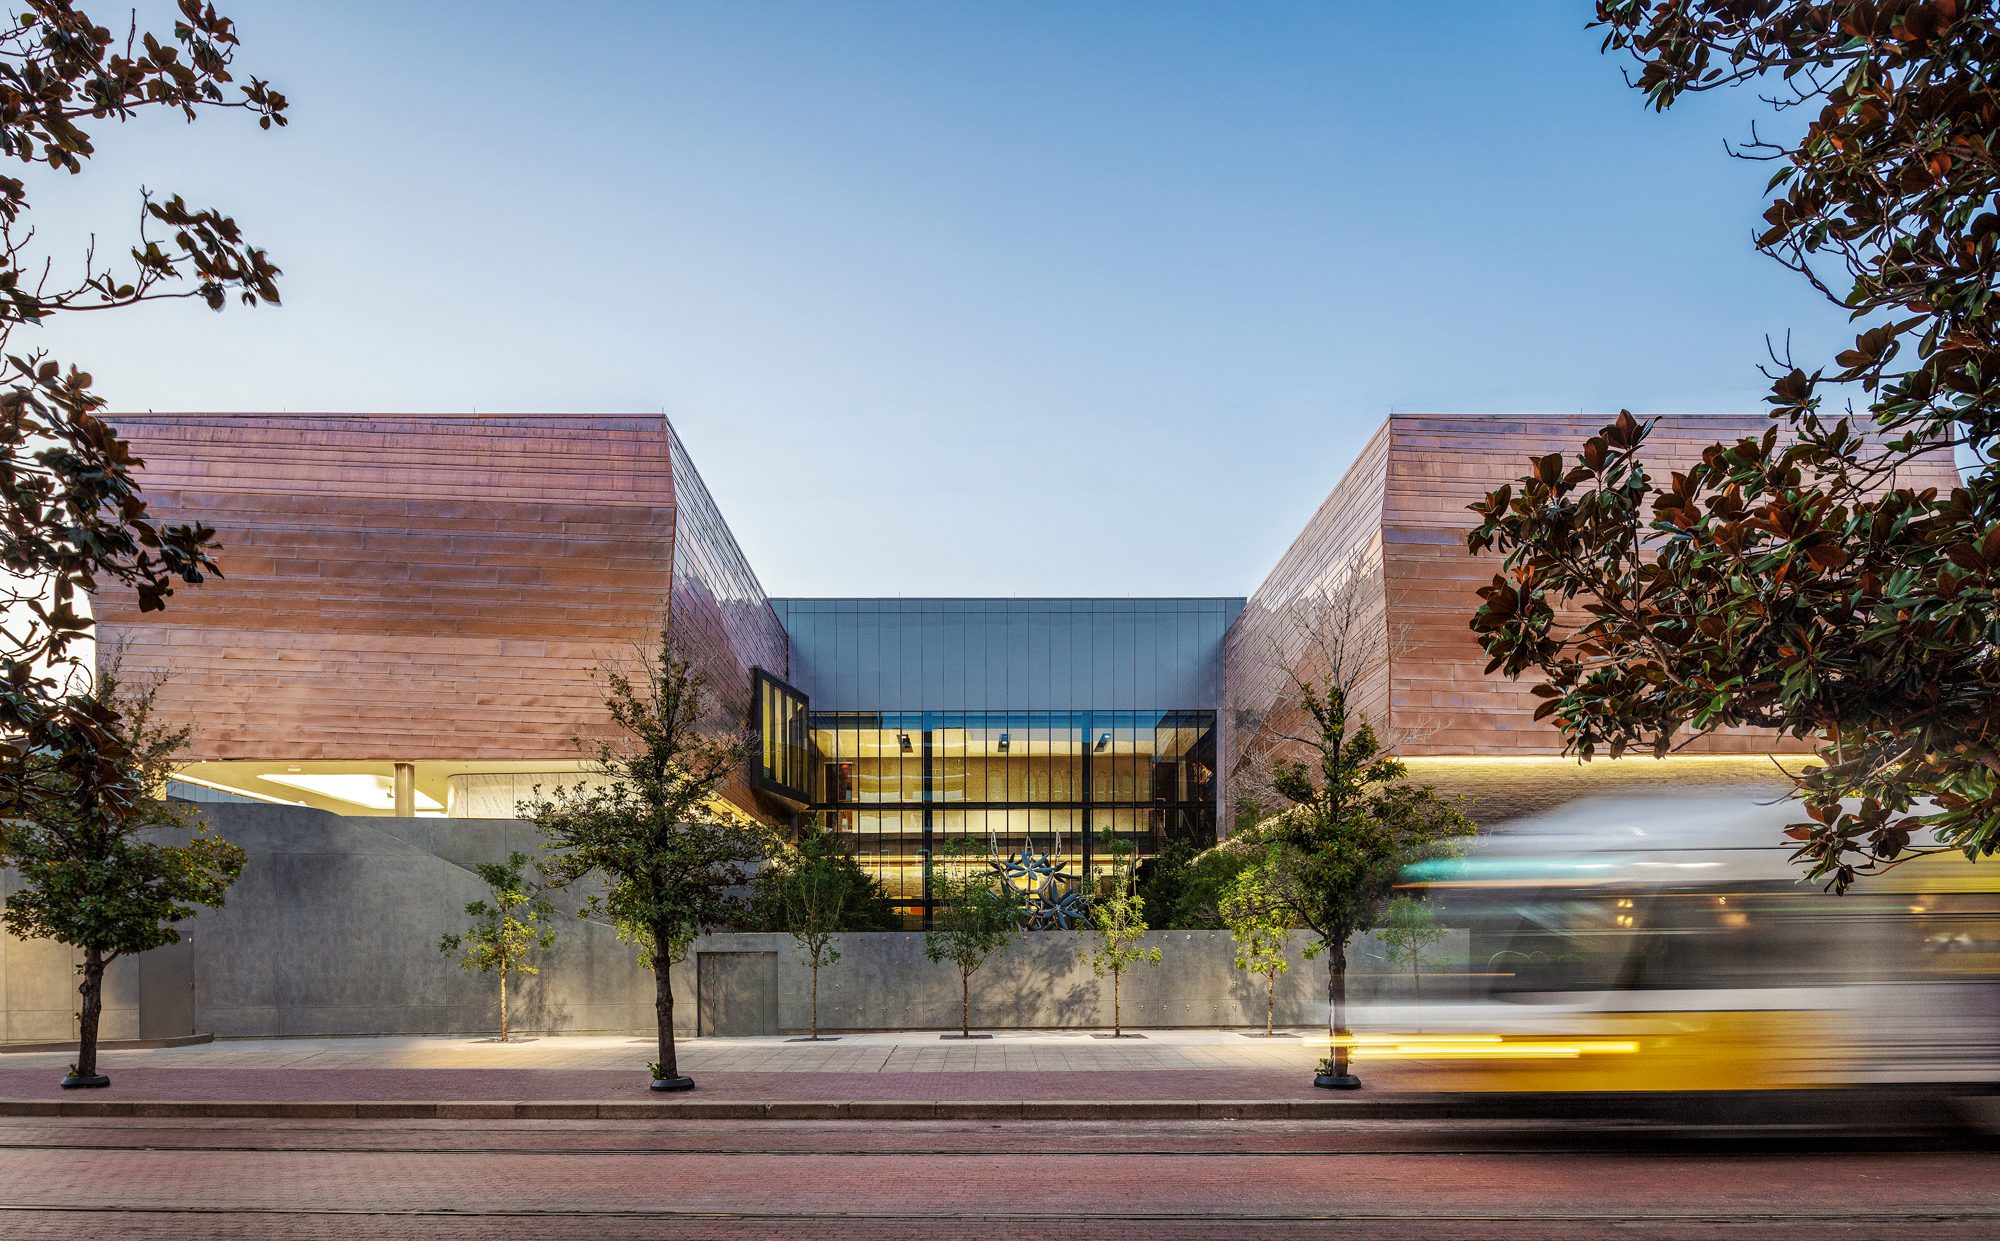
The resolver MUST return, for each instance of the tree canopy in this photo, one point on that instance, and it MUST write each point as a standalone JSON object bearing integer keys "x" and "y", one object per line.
{"x": 973, "y": 916}
{"x": 1118, "y": 919}
{"x": 1330, "y": 860}
{"x": 507, "y": 932}
{"x": 819, "y": 869}
{"x": 1797, "y": 580}
{"x": 646, "y": 822}
{"x": 107, "y": 863}
{"x": 72, "y": 519}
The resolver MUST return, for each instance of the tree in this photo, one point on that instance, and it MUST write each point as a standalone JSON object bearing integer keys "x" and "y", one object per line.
{"x": 972, "y": 917}
{"x": 1185, "y": 887}
{"x": 1118, "y": 916}
{"x": 99, "y": 866}
{"x": 505, "y": 934}
{"x": 823, "y": 893}
{"x": 1163, "y": 881}
{"x": 1263, "y": 938}
{"x": 1797, "y": 581}
{"x": 77, "y": 772}
{"x": 649, "y": 825}
{"x": 71, "y": 511}
{"x": 1407, "y": 933}
{"x": 71, "y": 515}
{"x": 1332, "y": 857}
{"x": 867, "y": 906}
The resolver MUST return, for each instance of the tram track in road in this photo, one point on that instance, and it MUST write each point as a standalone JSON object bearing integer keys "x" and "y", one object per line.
{"x": 999, "y": 1180}
{"x": 1242, "y": 1139}
{"x": 138, "y": 1224}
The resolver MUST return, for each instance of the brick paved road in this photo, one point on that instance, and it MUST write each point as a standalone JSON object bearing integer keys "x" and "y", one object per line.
{"x": 1177, "y": 1182}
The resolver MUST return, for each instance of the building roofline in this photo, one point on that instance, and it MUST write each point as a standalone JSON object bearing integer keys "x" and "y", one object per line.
{"x": 570, "y": 415}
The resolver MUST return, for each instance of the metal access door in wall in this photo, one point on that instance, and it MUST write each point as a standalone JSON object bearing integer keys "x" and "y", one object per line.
{"x": 738, "y": 993}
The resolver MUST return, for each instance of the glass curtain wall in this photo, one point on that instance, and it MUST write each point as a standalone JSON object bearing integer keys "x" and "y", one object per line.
{"x": 1065, "y": 783}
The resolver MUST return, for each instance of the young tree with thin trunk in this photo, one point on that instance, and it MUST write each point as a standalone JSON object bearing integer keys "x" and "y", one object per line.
{"x": 820, "y": 889}
{"x": 107, "y": 864}
{"x": 650, "y": 826}
{"x": 972, "y": 917}
{"x": 1263, "y": 938}
{"x": 1332, "y": 858}
{"x": 1332, "y": 817}
{"x": 1407, "y": 933}
{"x": 505, "y": 934}
{"x": 1119, "y": 919}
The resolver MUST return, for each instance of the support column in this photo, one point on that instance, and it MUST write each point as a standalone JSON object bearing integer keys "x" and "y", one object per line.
{"x": 406, "y": 790}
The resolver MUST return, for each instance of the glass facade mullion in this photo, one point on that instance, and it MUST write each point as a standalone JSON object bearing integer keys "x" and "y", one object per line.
{"x": 908, "y": 783}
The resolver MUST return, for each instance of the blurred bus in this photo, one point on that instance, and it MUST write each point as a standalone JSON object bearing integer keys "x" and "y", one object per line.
{"x": 1674, "y": 944}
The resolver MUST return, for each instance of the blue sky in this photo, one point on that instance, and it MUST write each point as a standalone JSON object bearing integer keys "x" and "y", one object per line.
{"x": 956, "y": 298}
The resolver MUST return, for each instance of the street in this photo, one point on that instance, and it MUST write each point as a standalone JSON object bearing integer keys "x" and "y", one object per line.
{"x": 167, "y": 1178}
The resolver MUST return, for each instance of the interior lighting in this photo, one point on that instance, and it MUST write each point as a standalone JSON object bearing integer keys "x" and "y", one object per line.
{"x": 231, "y": 789}
{"x": 355, "y": 788}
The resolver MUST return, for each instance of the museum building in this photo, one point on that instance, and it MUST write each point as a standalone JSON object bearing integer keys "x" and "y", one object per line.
{"x": 415, "y": 610}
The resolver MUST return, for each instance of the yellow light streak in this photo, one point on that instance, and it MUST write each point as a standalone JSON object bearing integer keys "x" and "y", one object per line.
{"x": 1474, "y": 1047}
{"x": 1355, "y": 1040}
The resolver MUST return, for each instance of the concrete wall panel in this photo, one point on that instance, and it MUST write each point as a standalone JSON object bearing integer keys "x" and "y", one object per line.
{"x": 333, "y": 929}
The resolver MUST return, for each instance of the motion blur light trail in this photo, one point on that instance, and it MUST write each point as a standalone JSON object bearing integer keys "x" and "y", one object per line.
{"x": 1668, "y": 943}
{"x": 1499, "y": 1050}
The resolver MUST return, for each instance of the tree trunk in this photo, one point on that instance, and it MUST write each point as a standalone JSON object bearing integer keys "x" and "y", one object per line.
{"x": 1270, "y": 1000}
{"x": 663, "y": 1004}
{"x": 1417, "y": 989}
{"x": 1117, "y": 1007}
{"x": 1336, "y": 1003}
{"x": 815, "y": 999}
{"x": 503, "y": 1001}
{"x": 92, "y": 991}
{"x": 965, "y": 1003}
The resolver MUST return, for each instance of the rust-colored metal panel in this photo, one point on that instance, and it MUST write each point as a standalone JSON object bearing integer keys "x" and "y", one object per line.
{"x": 1282, "y": 632}
{"x": 720, "y": 615}
{"x": 1438, "y": 465}
{"x": 401, "y": 587}
{"x": 1397, "y": 522}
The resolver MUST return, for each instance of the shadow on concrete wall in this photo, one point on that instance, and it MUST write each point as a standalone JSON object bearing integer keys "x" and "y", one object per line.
{"x": 334, "y": 927}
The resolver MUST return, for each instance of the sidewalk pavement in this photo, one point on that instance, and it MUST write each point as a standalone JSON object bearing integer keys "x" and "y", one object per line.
{"x": 1014, "y": 1075}
{"x": 1010, "y": 1067}
{"x": 1006, "y": 1051}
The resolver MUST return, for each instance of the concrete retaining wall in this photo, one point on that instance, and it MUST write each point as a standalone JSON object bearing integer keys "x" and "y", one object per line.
{"x": 884, "y": 981}
{"x": 333, "y": 929}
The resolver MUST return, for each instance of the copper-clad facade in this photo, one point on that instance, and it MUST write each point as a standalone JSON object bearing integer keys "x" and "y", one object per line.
{"x": 1391, "y": 536}
{"x": 428, "y": 588}
{"x": 439, "y": 592}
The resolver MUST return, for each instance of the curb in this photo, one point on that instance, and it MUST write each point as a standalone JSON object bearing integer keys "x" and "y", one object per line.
{"x": 1885, "y": 1111}
{"x": 113, "y": 1044}
{"x": 703, "y": 1109}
